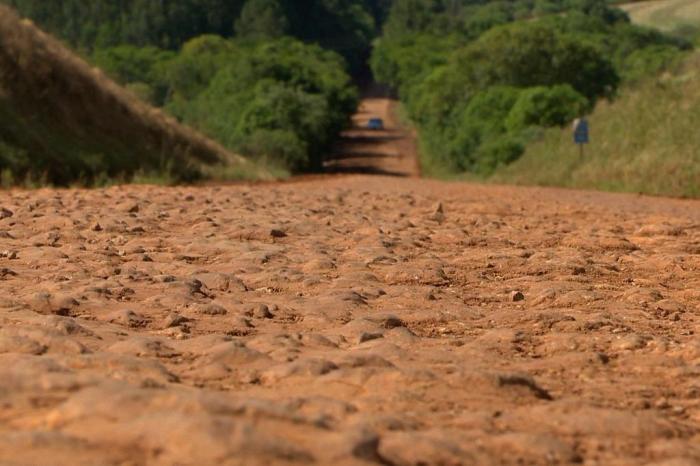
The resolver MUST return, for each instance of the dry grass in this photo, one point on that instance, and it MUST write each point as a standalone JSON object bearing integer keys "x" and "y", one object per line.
{"x": 666, "y": 15}
{"x": 646, "y": 141}
{"x": 65, "y": 112}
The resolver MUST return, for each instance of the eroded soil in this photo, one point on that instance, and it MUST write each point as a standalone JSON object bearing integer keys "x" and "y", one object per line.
{"x": 350, "y": 320}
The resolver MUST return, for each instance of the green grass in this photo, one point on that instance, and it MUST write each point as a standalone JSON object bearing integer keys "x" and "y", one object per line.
{"x": 647, "y": 141}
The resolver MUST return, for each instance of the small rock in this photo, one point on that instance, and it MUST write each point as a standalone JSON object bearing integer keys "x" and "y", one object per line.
{"x": 127, "y": 318}
{"x": 173, "y": 320}
{"x": 262, "y": 312}
{"x": 259, "y": 311}
{"x": 4, "y": 272}
{"x": 629, "y": 342}
{"x": 367, "y": 336}
{"x": 275, "y": 233}
{"x": 438, "y": 214}
{"x": 517, "y": 296}
{"x": 165, "y": 279}
{"x": 5, "y": 213}
{"x": 96, "y": 227}
{"x": 211, "y": 310}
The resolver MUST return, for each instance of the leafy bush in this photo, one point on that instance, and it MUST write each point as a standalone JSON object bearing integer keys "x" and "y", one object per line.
{"x": 276, "y": 146}
{"x": 498, "y": 152}
{"x": 144, "y": 65}
{"x": 534, "y": 54}
{"x": 546, "y": 106}
{"x": 262, "y": 19}
{"x": 649, "y": 61}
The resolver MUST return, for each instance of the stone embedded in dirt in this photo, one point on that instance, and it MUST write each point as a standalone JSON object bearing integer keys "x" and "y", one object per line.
{"x": 221, "y": 281}
{"x": 143, "y": 347}
{"x": 276, "y": 233}
{"x": 259, "y": 311}
{"x": 438, "y": 214}
{"x": 5, "y": 272}
{"x": 517, "y": 296}
{"x": 367, "y": 336}
{"x": 9, "y": 254}
{"x": 165, "y": 279}
{"x": 173, "y": 320}
{"x": 523, "y": 380}
{"x": 127, "y": 318}
{"x": 629, "y": 342}
{"x": 47, "y": 303}
{"x": 19, "y": 344}
{"x": 96, "y": 227}
{"x": 5, "y": 213}
{"x": 210, "y": 309}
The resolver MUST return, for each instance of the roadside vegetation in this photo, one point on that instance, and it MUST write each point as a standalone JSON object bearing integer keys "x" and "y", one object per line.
{"x": 645, "y": 141}
{"x": 506, "y": 71}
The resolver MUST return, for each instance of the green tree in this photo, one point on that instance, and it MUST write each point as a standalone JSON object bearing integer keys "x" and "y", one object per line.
{"x": 546, "y": 106}
{"x": 262, "y": 19}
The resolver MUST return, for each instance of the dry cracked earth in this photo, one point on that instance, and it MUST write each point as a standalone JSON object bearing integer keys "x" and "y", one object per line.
{"x": 352, "y": 320}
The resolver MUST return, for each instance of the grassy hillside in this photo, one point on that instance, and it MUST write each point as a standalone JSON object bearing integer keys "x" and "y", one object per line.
{"x": 667, "y": 15}
{"x": 63, "y": 121}
{"x": 647, "y": 141}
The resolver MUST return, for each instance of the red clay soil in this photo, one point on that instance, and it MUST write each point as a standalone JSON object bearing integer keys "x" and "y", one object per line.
{"x": 350, "y": 320}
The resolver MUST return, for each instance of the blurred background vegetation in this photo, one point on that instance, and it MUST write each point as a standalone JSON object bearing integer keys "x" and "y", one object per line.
{"x": 491, "y": 86}
{"x": 482, "y": 81}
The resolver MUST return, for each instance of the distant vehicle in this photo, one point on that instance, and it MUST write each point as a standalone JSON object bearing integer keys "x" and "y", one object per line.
{"x": 375, "y": 124}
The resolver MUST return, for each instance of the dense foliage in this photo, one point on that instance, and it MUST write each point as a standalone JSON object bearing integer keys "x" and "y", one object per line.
{"x": 279, "y": 99}
{"x": 479, "y": 79}
{"x": 345, "y": 26}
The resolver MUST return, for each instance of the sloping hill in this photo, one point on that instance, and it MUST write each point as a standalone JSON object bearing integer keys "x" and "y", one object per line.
{"x": 666, "y": 15}
{"x": 65, "y": 120}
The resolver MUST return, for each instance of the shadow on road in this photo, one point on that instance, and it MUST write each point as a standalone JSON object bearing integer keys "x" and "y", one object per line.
{"x": 390, "y": 151}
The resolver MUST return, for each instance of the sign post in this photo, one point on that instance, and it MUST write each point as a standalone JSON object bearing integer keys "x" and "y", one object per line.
{"x": 580, "y": 133}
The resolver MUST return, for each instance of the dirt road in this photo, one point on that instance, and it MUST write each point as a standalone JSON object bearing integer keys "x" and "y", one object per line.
{"x": 348, "y": 320}
{"x": 391, "y": 151}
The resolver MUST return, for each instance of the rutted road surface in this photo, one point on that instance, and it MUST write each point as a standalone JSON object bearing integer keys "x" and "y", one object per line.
{"x": 348, "y": 320}
{"x": 391, "y": 151}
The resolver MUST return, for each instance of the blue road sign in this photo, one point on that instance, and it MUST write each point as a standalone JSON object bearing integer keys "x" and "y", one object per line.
{"x": 581, "y": 131}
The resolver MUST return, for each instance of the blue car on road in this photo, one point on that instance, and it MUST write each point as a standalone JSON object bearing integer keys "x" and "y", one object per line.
{"x": 375, "y": 124}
